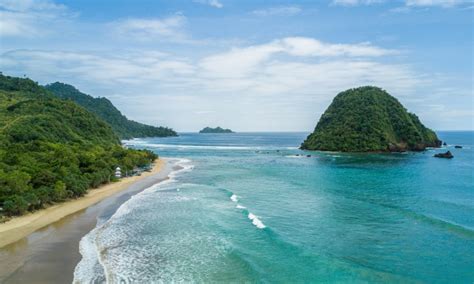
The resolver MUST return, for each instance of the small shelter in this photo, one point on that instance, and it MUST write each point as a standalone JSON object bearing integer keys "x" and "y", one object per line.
{"x": 118, "y": 172}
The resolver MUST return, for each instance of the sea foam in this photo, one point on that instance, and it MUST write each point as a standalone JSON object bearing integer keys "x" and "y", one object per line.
{"x": 198, "y": 147}
{"x": 256, "y": 221}
{"x": 90, "y": 268}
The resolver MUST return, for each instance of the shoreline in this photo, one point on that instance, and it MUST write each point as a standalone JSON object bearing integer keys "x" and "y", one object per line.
{"x": 51, "y": 253}
{"x": 22, "y": 226}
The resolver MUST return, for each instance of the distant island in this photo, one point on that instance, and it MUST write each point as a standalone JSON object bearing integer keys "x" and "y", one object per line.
{"x": 215, "y": 130}
{"x": 368, "y": 119}
{"x": 104, "y": 109}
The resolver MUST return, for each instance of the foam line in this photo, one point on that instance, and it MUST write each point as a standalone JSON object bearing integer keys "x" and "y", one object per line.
{"x": 256, "y": 221}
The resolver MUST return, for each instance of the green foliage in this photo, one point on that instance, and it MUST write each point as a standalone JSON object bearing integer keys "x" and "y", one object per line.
{"x": 52, "y": 150}
{"x": 104, "y": 109}
{"x": 15, "y": 205}
{"x": 218, "y": 129}
{"x": 25, "y": 85}
{"x": 368, "y": 119}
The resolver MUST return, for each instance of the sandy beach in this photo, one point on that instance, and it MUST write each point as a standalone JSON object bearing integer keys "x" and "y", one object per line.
{"x": 43, "y": 247}
{"x": 20, "y": 227}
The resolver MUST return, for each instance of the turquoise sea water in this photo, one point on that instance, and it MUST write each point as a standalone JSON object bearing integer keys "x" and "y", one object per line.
{"x": 247, "y": 209}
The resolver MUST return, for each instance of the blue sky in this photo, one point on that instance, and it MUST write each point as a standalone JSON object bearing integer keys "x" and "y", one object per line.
{"x": 247, "y": 65}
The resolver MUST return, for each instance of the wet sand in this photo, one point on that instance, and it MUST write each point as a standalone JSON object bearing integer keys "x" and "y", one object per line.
{"x": 50, "y": 254}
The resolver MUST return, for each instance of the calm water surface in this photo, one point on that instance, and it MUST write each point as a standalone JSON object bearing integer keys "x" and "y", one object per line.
{"x": 247, "y": 208}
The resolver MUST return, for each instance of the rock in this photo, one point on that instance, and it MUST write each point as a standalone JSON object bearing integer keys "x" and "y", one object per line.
{"x": 308, "y": 156}
{"x": 446, "y": 155}
{"x": 458, "y": 147}
{"x": 397, "y": 147}
{"x": 444, "y": 144}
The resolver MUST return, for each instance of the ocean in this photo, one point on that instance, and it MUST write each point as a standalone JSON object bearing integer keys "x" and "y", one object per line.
{"x": 252, "y": 207}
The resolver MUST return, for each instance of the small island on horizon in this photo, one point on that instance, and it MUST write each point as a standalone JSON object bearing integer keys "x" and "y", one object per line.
{"x": 217, "y": 129}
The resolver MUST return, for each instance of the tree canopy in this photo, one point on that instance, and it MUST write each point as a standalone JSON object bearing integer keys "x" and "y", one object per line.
{"x": 368, "y": 119}
{"x": 103, "y": 108}
{"x": 52, "y": 150}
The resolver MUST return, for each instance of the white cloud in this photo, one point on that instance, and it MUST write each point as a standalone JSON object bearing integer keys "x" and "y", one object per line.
{"x": 356, "y": 2}
{"x": 213, "y": 3}
{"x": 126, "y": 69}
{"x": 439, "y": 3}
{"x": 408, "y": 3}
{"x": 283, "y": 84}
{"x": 240, "y": 61}
{"x": 302, "y": 46}
{"x": 30, "y": 18}
{"x": 170, "y": 28}
{"x": 278, "y": 11}
{"x": 418, "y": 4}
{"x": 268, "y": 80}
{"x": 30, "y": 5}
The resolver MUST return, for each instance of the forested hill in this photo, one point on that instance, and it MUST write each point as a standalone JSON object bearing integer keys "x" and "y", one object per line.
{"x": 52, "y": 149}
{"x": 103, "y": 108}
{"x": 368, "y": 119}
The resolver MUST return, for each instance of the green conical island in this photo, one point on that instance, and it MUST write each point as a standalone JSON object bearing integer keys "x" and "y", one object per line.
{"x": 368, "y": 119}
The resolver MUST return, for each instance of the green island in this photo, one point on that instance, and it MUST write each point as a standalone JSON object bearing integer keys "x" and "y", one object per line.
{"x": 368, "y": 119}
{"x": 102, "y": 107}
{"x": 218, "y": 129}
{"x": 52, "y": 150}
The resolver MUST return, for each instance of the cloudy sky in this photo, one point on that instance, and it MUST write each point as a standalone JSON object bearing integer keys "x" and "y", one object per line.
{"x": 248, "y": 65}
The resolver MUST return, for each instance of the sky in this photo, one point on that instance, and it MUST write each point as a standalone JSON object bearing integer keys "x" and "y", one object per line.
{"x": 248, "y": 65}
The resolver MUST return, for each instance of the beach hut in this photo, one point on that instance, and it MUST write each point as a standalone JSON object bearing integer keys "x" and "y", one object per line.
{"x": 118, "y": 172}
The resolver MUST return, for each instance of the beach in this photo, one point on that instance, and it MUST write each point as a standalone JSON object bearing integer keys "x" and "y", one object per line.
{"x": 50, "y": 237}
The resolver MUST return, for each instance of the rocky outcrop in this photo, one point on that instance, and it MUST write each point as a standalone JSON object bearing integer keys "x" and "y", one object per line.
{"x": 446, "y": 155}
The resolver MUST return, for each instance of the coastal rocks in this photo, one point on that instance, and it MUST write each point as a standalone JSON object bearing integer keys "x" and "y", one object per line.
{"x": 401, "y": 147}
{"x": 446, "y": 155}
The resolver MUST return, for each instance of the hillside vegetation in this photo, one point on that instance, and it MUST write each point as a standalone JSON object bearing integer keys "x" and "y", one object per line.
{"x": 51, "y": 149}
{"x": 103, "y": 108}
{"x": 368, "y": 119}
